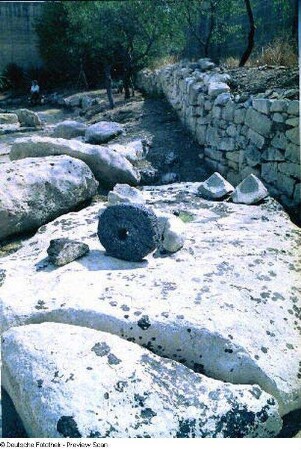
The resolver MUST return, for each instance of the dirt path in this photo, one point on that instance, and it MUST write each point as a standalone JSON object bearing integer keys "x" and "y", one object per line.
{"x": 171, "y": 149}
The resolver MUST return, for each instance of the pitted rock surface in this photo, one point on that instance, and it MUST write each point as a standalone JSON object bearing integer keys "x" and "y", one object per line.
{"x": 98, "y": 385}
{"x": 225, "y": 305}
{"x": 107, "y": 166}
{"x": 36, "y": 190}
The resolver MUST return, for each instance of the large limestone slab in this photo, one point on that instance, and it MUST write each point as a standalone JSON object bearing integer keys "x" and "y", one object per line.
{"x": 69, "y": 129}
{"x": 37, "y": 190}
{"x": 108, "y": 166}
{"x": 226, "y": 304}
{"x": 102, "y": 132}
{"x": 68, "y": 381}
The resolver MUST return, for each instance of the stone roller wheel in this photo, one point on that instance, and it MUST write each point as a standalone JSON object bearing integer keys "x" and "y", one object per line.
{"x": 128, "y": 231}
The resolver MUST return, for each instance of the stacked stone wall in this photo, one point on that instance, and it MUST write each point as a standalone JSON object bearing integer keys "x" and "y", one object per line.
{"x": 258, "y": 135}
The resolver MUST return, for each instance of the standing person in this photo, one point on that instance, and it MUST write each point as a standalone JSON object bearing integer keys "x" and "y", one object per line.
{"x": 34, "y": 92}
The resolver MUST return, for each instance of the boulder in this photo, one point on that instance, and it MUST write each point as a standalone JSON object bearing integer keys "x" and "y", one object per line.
{"x": 219, "y": 306}
{"x": 250, "y": 191}
{"x": 107, "y": 166}
{"x": 69, "y": 129}
{"x": 72, "y": 382}
{"x": 215, "y": 187}
{"x": 123, "y": 193}
{"x": 133, "y": 151}
{"x": 36, "y": 190}
{"x": 102, "y": 132}
{"x": 8, "y": 118}
{"x": 63, "y": 251}
{"x": 28, "y": 118}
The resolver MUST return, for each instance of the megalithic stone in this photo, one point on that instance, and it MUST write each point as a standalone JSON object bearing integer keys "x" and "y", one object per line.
{"x": 128, "y": 232}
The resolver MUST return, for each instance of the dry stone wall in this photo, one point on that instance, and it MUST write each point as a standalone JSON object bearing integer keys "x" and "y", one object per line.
{"x": 258, "y": 135}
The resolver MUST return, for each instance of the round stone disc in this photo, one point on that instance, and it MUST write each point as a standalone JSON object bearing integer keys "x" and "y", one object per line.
{"x": 128, "y": 231}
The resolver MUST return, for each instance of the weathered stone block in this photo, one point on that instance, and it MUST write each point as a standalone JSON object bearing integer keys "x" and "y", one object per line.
{"x": 291, "y": 169}
{"x": 269, "y": 172}
{"x": 293, "y": 107}
{"x": 222, "y": 99}
{"x": 214, "y": 154}
{"x": 297, "y": 193}
{"x": 228, "y": 111}
{"x": 262, "y": 105}
{"x": 233, "y": 165}
{"x": 292, "y": 153}
{"x": 292, "y": 122}
{"x": 239, "y": 115}
{"x": 216, "y": 112}
{"x": 253, "y": 156}
{"x": 278, "y": 105}
{"x": 233, "y": 156}
{"x": 278, "y": 118}
{"x": 200, "y": 132}
{"x": 212, "y": 136}
{"x": 227, "y": 144}
{"x": 216, "y": 88}
{"x": 194, "y": 91}
{"x": 256, "y": 138}
{"x": 286, "y": 184}
{"x": 279, "y": 140}
{"x": 231, "y": 130}
{"x": 273, "y": 154}
{"x": 258, "y": 122}
{"x": 208, "y": 105}
{"x": 293, "y": 135}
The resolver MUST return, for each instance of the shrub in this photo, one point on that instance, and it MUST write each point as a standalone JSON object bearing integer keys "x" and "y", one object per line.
{"x": 14, "y": 76}
{"x": 280, "y": 52}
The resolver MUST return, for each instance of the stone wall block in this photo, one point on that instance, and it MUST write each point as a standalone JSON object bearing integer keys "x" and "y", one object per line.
{"x": 228, "y": 111}
{"x": 239, "y": 115}
{"x": 258, "y": 122}
{"x": 262, "y": 105}
{"x": 273, "y": 154}
{"x": 297, "y": 193}
{"x": 269, "y": 172}
{"x": 293, "y": 108}
{"x": 256, "y": 138}
{"x": 253, "y": 156}
{"x": 290, "y": 169}
{"x": 293, "y": 135}
{"x": 201, "y": 131}
{"x": 278, "y": 105}
{"x": 279, "y": 140}
{"x": 227, "y": 144}
{"x": 292, "y": 153}
{"x": 285, "y": 184}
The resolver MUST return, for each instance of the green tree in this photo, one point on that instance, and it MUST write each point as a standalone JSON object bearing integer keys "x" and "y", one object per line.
{"x": 127, "y": 33}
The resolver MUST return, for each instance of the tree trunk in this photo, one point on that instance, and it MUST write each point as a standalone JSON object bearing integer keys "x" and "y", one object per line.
{"x": 250, "y": 46}
{"x": 210, "y": 31}
{"x": 126, "y": 83}
{"x": 108, "y": 85}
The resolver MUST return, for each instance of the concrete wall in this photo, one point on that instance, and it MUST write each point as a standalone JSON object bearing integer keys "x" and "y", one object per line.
{"x": 259, "y": 136}
{"x": 18, "y": 40}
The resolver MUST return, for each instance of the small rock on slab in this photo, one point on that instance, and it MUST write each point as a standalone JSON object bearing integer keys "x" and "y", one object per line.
{"x": 123, "y": 193}
{"x": 69, "y": 381}
{"x": 215, "y": 187}
{"x": 250, "y": 191}
{"x": 63, "y": 251}
{"x": 102, "y": 132}
{"x": 128, "y": 232}
{"x": 172, "y": 233}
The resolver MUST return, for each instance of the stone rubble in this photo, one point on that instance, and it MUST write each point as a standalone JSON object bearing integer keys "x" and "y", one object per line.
{"x": 63, "y": 251}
